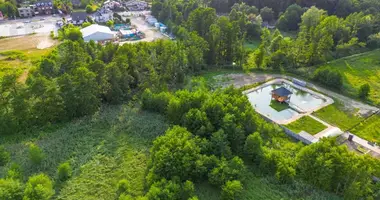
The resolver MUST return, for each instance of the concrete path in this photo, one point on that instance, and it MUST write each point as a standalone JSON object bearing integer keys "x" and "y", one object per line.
{"x": 362, "y": 142}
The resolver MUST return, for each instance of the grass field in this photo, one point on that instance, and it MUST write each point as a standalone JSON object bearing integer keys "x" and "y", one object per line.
{"x": 336, "y": 114}
{"x": 19, "y": 62}
{"x": 103, "y": 149}
{"x": 307, "y": 124}
{"x": 258, "y": 187}
{"x": 358, "y": 70}
{"x": 369, "y": 129}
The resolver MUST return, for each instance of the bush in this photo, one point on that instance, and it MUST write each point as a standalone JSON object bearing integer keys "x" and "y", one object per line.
{"x": 38, "y": 187}
{"x": 232, "y": 190}
{"x": 373, "y": 41}
{"x": 10, "y": 189}
{"x": 364, "y": 90}
{"x": 123, "y": 187}
{"x": 85, "y": 24}
{"x": 14, "y": 172}
{"x": 155, "y": 102}
{"x": 196, "y": 122}
{"x": 35, "y": 154}
{"x": 4, "y": 156}
{"x": 64, "y": 171}
{"x": 253, "y": 147}
{"x": 329, "y": 78}
{"x": 227, "y": 171}
{"x": 89, "y": 9}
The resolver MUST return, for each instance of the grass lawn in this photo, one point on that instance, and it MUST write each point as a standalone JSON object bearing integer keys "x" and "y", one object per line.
{"x": 278, "y": 106}
{"x": 307, "y": 124}
{"x": 369, "y": 129}
{"x": 358, "y": 70}
{"x": 335, "y": 114}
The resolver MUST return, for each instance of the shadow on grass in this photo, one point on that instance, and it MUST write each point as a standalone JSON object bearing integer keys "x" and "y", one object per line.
{"x": 278, "y": 106}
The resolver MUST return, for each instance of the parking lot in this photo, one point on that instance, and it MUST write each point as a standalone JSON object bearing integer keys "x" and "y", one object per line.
{"x": 26, "y": 26}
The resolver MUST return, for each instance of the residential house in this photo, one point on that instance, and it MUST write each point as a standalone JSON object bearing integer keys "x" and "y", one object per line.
{"x": 78, "y": 17}
{"x": 135, "y": 5}
{"x": 26, "y": 11}
{"x": 43, "y": 7}
{"x": 102, "y": 15}
{"x": 76, "y": 3}
{"x": 111, "y": 5}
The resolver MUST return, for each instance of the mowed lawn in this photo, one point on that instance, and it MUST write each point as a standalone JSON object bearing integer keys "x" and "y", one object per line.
{"x": 369, "y": 129}
{"x": 307, "y": 124}
{"x": 335, "y": 114}
{"x": 358, "y": 70}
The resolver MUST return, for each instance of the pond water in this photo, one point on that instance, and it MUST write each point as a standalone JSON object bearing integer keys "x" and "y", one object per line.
{"x": 261, "y": 99}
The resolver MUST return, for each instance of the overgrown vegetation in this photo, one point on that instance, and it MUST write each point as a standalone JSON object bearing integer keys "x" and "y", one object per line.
{"x": 368, "y": 129}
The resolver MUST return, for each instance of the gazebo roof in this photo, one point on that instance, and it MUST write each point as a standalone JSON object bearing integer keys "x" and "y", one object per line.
{"x": 281, "y": 91}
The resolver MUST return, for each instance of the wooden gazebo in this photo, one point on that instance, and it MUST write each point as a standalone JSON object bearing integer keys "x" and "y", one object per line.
{"x": 281, "y": 95}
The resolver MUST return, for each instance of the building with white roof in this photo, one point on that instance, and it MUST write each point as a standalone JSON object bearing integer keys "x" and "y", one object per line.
{"x": 97, "y": 33}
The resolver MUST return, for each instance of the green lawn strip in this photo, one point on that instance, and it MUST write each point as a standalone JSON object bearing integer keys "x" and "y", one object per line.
{"x": 307, "y": 124}
{"x": 278, "y": 106}
{"x": 335, "y": 114}
{"x": 369, "y": 129}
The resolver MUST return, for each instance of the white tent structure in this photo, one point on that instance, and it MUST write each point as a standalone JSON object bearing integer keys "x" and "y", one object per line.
{"x": 97, "y": 33}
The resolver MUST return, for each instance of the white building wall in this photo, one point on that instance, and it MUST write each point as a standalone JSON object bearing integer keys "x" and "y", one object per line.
{"x": 99, "y": 36}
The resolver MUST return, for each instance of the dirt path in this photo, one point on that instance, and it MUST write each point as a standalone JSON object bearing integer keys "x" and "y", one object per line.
{"x": 239, "y": 80}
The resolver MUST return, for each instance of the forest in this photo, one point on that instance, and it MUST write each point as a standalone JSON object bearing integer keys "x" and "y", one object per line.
{"x": 96, "y": 121}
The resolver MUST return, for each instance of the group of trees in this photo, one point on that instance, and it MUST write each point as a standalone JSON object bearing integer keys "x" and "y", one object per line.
{"x": 320, "y": 38}
{"x": 214, "y": 128}
{"x": 38, "y": 186}
{"x": 9, "y": 8}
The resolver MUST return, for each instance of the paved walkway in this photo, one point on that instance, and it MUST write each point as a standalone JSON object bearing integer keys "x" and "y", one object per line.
{"x": 362, "y": 142}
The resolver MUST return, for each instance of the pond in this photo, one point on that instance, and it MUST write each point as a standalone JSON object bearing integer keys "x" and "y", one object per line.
{"x": 261, "y": 101}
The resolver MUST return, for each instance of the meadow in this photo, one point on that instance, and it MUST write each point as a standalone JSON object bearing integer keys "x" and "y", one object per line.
{"x": 336, "y": 114}
{"x": 307, "y": 124}
{"x": 113, "y": 145}
{"x": 358, "y": 70}
{"x": 369, "y": 129}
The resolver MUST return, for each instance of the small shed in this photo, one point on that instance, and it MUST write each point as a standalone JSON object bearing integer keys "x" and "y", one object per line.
{"x": 281, "y": 94}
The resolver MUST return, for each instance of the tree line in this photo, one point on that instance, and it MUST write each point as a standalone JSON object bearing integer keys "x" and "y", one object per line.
{"x": 216, "y": 134}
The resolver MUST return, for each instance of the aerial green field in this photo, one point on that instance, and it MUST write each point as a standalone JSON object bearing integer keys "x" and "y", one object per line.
{"x": 335, "y": 114}
{"x": 113, "y": 145}
{"x": 358, "y": 70}
{"x": 369, "y": 129}
{"x": 307, "y": 124}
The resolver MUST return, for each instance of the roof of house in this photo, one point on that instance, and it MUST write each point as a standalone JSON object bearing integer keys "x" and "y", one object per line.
{"x": 281, "y": 91}
{"x": 76, "y": 16}
{"x": 75, "y": 2}
{"x": 94, "y": 28}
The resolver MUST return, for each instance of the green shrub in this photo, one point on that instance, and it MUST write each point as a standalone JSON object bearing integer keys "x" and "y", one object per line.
{"x": 10, "y": 189}
{"x": 35, "y": 154}
{"x": 38, "y": 187}
{"x": 89, "y": 9}
{"x": 155, "y": 102}
{"x": 329, "y": 78}
{"x": 364, "y": 91}
{"x": 4, "y": 156}
{"x": 227, "y": 171}
{"x": 253, "y": 147}
{"x": 123, "y": 187}
{"x": 14, "y": 172}
{"x": 232, "y": 190}
{"x": 64, "y": 171}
